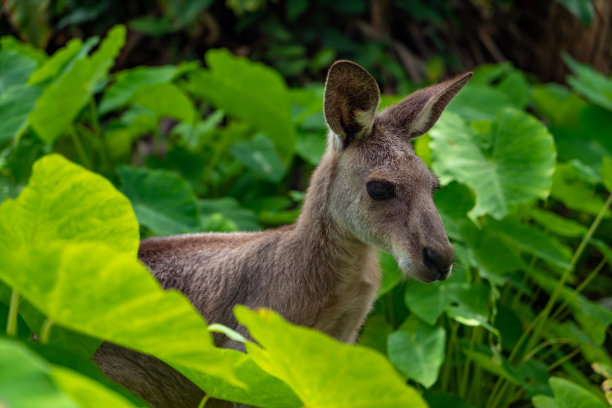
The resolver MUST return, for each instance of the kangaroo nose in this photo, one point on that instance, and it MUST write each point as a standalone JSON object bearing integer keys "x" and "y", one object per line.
{"x": 437, "y": 262}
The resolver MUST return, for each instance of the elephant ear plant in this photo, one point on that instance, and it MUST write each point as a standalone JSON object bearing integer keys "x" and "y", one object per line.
{"x": 525, "y": 175}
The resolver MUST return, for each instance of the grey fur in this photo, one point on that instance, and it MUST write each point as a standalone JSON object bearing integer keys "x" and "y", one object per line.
{"x": 322, "y": 271}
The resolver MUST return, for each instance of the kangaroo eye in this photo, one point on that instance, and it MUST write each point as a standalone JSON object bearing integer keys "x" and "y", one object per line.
{"x": 380, "y": 190}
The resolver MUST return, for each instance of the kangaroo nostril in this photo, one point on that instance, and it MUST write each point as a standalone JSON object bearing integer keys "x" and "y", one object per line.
{"x": 431, "y": 259}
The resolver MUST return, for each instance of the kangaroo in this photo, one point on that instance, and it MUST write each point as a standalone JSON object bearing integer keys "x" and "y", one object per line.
{"x": 370, "y": 191}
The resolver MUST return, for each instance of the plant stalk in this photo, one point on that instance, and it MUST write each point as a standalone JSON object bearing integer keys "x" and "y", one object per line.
{"x": 11, "y": 323}
{"x": 79, "y": 147}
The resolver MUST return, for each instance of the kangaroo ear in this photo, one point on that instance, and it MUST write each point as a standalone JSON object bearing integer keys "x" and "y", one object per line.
{"x": 351, "y": 101}
{"x": 420, "y": 110}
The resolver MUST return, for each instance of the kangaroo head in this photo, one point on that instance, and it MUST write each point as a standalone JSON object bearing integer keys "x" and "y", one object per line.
{"x": 382, "y": 192}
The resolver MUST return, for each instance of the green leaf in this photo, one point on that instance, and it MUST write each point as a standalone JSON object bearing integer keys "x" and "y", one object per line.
{"x": 15, "y": 106}
{"x": 492, "y": 254}
{"x": 103, "y": 293}
{"x": 63, "y": 60}
{"x": 249, "y": 91}
{"x": 453, "y": 202}
{"x": 417, "y": 350}
{"x": 557, "y": 224}
{"x": 11, "y": 43}
{"x": 586, "y": 140}
{"x": 163, "y": 201}
{"x": 15, "y": 69}
{"x": 478, "y": 102}
{"x": 606, "y": 173}
{"x": 65, "y": 202}
{"x": 493, "y": 363}
{"x": 310, "y": 146}
{"x": 244, "y": 219}
{"x": 165, "y": 99}
{"x": 531, "y": 240}
{"x": 301, "y": 357}
{"x": 392, "y": 275}
{"x": 508, "y": 165}
{"x": 469, "y": 304}
{"x": 568, "y": 395}
{"x": 63, "y": 100}
{"x": 264, "y": 390}
{"x": 127, "y": 82}
{"x": 374, "y": 333}
{"x": 25, "y": 381}
{"x": 582, "y": 9}
{"x": 589, "y": 83}
{"x": 85, "y": 391}
{"x": 426, "y": 301}
{"x": 575, "y": 189}
{"x": 260, "y": 157}
{"x": 558, "y": 104}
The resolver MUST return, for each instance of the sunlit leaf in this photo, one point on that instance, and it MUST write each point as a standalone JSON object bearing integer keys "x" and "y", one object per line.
{"x": 507, "y": 165}
{"x": 249, "y": 91}
{"x": 301, "y": 357}
{"x": 62, "y": 101}
{"x": 127, "y": 82}
{"x": 165, "y": 99}
{"x": 65, "y": 202}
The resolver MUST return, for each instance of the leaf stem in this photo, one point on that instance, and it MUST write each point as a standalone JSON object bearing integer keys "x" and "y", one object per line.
{"x": 449, "y": 349}
{"x": 79, "y": 147}
{"x": 566, "y": 274}
{"x": 580, "y": 288}
{"x": 466, "y": 365}
{"x": 45, "y": 331}
{"x": 11, "y": 323}
{"x": 204, "y": 401}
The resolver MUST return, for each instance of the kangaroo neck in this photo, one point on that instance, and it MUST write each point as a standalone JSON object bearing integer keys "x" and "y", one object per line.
{"x": 331, "y": 248}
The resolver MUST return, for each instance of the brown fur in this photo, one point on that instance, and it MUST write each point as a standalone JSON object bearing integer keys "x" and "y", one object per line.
{"x": 322, "y": 271}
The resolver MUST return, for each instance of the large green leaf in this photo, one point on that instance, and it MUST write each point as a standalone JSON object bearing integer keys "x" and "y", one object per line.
{"x": 63, "y": 60}
{"x": 65, "y": 202}
{"x": 586, "y": 140}
{"x": 575, "y": 188}
{"x": 260, "y": 157}
{"x": 417, "y": 350}
{"x": 25, "y": 381}
{"x": 322, "y": 371}
{"x": 163, "y": 201}
{"x": 165, "y": 99}
{"x": 392, "y": 275}
{"x": 589, "y": 83}
{"x": 16, "y": 98}
{"x": 127, "y": 82}
{"x": 249, "y": 91}
{"x": 531, "y": 240}
{"x": 15, "y": 69}
{"x": 16, "y": 104}
{"x": 506, "y": 163}
{"x": 107, "y": 294}
{"x": 62, "y": 101}
{"x": 567, "y": 395}
{"x": 426, "y": 301}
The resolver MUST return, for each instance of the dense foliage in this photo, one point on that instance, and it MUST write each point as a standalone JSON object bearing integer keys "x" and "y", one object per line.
{"x": 527, "y": 174}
